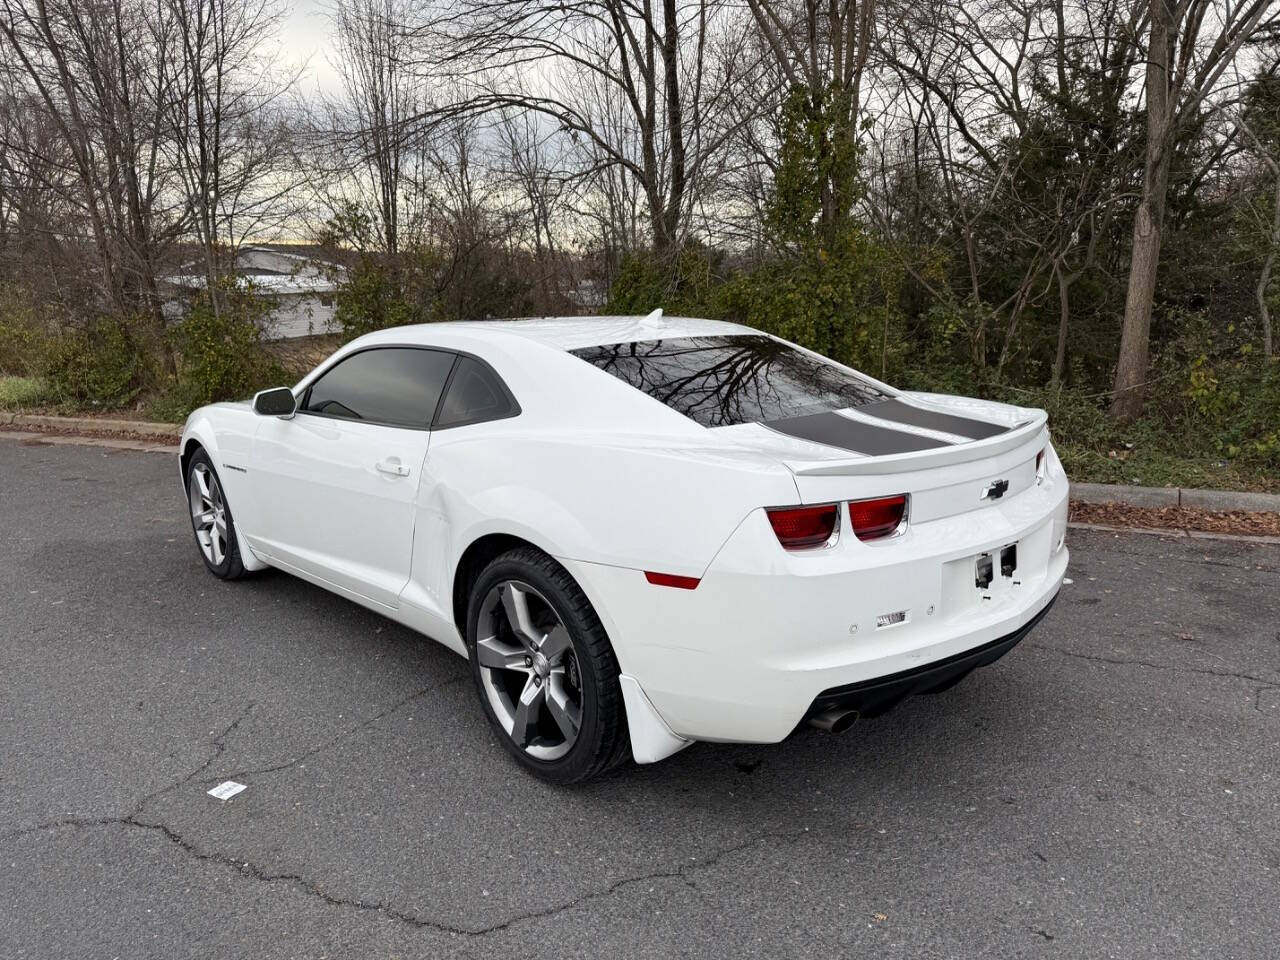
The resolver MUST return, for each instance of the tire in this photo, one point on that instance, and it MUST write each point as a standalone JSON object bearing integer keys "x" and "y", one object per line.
{"x": 533, "y": 691}
{"x": 211, "y": 520}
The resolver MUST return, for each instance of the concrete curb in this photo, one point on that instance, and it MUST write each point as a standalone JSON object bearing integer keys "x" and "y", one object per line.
{"x": 41, "y": 439}
{"x": 1219, "y": 500}
{"x": 90, "y": 425}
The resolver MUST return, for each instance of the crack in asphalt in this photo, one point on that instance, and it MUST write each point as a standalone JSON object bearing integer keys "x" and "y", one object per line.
{"x": 671, "y": 873}
{"x": 1175, "y": 668}
{"x": 349, "y": 732}
{"x": 315, "y": 889}
{"x": 249, "y": 870}
{"x": 52, "y": 825}
{"x": 219, "y": 746}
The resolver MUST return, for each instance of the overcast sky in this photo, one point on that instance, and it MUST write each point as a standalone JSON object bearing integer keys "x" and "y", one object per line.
{"x": 304, "y": 37}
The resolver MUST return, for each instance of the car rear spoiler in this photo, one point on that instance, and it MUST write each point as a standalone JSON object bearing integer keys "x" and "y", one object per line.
{"x": 1014, "y": 437}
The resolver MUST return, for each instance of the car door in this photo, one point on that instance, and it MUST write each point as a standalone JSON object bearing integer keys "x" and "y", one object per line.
{"x": 475, "y": 397}
{"x": 336, "y": 487}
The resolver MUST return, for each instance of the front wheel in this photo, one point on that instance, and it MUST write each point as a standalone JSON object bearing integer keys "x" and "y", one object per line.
{"x": 545, "y": 670}
{"x": 211, "y": 519}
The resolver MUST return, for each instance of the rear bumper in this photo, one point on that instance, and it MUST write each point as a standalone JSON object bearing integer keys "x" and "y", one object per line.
{"x": 870, "y": 698}
{"x": 766, "y": 634}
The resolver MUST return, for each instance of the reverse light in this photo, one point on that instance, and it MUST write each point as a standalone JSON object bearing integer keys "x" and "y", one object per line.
{"x": 799, "y": 528}
{"x": 671, "y": 580}
{"x": 878, "y": 518}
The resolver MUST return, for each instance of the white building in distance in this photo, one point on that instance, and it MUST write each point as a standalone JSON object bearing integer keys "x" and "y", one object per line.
{"x": 301, "y": 287}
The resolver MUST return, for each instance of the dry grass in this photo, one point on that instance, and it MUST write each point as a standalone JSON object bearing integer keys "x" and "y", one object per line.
{"x": 1178, "y": 518}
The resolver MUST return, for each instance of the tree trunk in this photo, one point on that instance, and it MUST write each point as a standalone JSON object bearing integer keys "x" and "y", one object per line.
{"x": 1148, "y": 225}
{"x": 1264, "y": 279}
{"x": 1135, "y": 335}
{"x": 1064, "y": 321}
{"x": 673, "y": 203}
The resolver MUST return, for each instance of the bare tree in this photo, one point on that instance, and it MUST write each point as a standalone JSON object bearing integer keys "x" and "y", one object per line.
{"x": 90, "y": 63}
{"x": 39, "y": 210}
{"x": 1258, "y": 120}
{"x": 221, "y": 95}
{"x": 1192, "y": 45}
{"x": 529, "y": 160}
{"x": 964, "y": 84}
{"x": 165, "y": 128}
{"x": 823, "y": 50}
{"x": 578, "y": 63}
{"x": 381, "y": 95}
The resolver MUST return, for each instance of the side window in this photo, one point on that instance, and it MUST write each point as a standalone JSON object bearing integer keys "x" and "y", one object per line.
{"x": 475, "y": 395}
{"x": 393, "y": 385}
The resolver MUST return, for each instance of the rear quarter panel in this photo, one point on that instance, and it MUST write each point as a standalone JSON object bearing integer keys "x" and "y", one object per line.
{"x": 635, "y": 502}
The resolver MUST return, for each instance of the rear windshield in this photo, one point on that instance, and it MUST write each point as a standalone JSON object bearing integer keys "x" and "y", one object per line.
{"x": 720, "y": 381}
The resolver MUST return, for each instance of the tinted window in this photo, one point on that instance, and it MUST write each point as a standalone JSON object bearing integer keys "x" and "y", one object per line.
{"x": 719, "y": 381}
{"x": 392, "y": 385}
{"x": 475, "y": 394}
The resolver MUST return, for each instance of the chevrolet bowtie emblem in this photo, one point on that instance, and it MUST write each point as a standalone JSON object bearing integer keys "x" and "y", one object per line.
{"x": 996, "y": 490}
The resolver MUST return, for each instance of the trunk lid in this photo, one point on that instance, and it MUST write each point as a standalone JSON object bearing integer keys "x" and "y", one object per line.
{"x": 915, "y": 446}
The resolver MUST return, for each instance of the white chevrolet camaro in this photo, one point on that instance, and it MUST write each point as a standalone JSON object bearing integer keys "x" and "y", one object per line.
{"x": 643, "y": 531}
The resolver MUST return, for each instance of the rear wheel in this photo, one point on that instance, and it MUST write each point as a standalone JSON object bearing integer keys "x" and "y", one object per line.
{"x": 544, "y": 668}
{"x": 211, "y": 519}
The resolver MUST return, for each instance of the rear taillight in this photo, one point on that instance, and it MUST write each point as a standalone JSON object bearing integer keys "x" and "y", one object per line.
{"x": 801, "y": 527}
{"x": 874, "y": 519}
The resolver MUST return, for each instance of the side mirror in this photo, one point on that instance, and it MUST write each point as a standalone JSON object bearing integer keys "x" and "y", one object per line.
{"x": 279, "y": 402}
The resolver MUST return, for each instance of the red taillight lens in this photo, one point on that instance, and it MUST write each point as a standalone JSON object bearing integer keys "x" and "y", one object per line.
{"x": 873, "y": 519}
{"x": 671, "y": 580}
{"x": 800, "y": 527}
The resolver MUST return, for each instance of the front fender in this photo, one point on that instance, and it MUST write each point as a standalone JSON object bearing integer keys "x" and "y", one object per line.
{"x": 225, "y": 431}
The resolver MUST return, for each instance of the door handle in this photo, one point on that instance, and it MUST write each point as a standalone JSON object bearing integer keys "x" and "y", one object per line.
{"x": 392, "y": 466}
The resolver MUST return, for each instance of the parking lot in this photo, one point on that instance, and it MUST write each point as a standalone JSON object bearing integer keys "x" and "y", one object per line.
{"x": 1110, "y": 789}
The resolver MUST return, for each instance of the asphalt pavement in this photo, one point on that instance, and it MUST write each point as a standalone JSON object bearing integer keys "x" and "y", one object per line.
{"x": 1109, "y": 789}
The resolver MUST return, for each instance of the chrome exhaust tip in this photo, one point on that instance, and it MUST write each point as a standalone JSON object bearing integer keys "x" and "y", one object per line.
{"x": 834, "y": 721}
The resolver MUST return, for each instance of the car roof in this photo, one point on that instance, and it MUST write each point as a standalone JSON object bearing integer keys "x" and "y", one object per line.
{"x": 570, "y": 333}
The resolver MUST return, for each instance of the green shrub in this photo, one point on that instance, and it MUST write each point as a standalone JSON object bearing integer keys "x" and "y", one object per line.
{"x": 380, "y": 292}
{"x": 23, "y": 337}
{"x": 104, "y": 363}
{"x": 368, "y": 300}
{"x": 1237, "y": 404}
{"x": 841, "y": 302}
{"x": 687, "y": 285}
{"x": 220, "y": 350}
{"x": 167, "y": 405}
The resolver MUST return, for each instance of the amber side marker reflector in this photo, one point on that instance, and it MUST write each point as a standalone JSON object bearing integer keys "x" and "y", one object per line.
{"x": 671, "y": 580}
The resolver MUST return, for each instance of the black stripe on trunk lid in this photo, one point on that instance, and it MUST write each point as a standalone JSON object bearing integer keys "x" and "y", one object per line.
{"x": 913, "y": 416}
{"x": 853, "y": 435}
